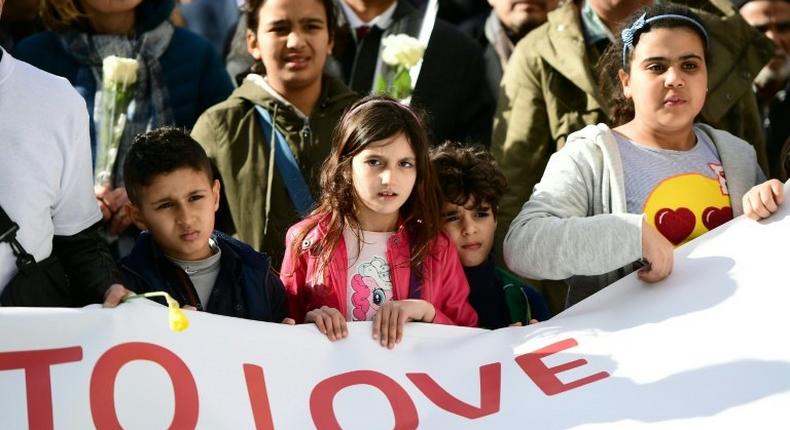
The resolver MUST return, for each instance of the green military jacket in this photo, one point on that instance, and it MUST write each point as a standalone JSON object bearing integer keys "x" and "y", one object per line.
{"x": 549, "y": 90}
{"x": 231, "y": 134}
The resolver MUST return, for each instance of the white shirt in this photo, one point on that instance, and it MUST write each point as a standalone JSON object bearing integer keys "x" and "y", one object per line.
{"x": 382, "y": 21}
{"x": 46, "y": 174}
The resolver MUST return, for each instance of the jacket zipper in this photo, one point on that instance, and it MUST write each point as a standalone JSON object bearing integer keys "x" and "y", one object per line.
{"x": 306, "y": 134}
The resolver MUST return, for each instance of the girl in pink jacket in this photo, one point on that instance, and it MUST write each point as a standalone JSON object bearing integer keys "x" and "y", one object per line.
{"x": 373, "y": 249}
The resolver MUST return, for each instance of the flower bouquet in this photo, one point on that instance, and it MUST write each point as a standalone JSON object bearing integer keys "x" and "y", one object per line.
{"x": 399, "y": 53}
{"x": 118, "y": 78}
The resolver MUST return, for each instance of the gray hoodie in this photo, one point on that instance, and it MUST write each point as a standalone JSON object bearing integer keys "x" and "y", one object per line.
{"x": 576, "y": 226}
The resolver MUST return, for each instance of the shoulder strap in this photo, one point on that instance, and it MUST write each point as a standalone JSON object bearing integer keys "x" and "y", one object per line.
{"x": 286, "y": 164}
{"x": 8, "y": 229}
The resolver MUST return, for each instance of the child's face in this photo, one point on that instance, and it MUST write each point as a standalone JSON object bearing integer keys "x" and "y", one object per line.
{"x": 472, "y": 228}
{"x": 383, "y": 176}
{"x": 293, "y": 42}
{"x": 668, "y": 78}
{"x": 178, "y": 210}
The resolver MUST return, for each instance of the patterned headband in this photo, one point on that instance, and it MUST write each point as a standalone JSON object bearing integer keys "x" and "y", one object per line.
{"x": 629, "y": 33}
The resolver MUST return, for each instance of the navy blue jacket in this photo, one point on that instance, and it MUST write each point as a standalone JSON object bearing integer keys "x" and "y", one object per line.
{"x": 501, "y": 299}
{"x": 194, "y": 74}
{"x": 246, "y": 286}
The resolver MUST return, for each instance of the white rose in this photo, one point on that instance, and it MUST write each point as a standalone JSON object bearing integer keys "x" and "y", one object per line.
{"x": 401, "y": 49}
{"x": 119, "y": 70}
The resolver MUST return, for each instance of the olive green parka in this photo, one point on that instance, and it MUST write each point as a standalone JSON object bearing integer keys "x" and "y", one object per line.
{"x": 231, "y": 134}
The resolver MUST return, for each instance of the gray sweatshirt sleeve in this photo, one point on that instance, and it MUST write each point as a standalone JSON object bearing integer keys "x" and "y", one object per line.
{"x": 565, "y": 228}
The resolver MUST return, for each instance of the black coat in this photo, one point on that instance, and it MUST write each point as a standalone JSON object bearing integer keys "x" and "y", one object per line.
{"x": 451, "y": 88}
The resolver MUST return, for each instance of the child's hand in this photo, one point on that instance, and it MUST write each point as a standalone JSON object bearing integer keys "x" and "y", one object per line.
{"x": 658, "y": 251}
{"x": 288, "y": 321}
{"x": 329, "y": 321}
{"x": 389, "y": 320}
{"x": 519, "y": 324}
{"x": 104, "y": 205}
{"x": 114, "y": 295}
{"x": 763, "y": 199}
{"x": 111, "y": 203}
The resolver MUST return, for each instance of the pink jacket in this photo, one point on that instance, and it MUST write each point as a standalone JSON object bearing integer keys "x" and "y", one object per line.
{"x": 444, "y": 284}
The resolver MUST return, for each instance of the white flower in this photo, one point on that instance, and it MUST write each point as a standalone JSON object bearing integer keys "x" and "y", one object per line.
{"x": 118, "y": 70}
{"x": 401, "y": 50}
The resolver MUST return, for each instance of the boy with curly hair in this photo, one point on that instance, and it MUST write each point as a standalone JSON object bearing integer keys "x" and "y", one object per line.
{"x": 472, "y": 184}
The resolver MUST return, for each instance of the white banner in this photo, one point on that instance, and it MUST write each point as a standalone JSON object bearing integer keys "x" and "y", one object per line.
{"x": 707, "y": 348}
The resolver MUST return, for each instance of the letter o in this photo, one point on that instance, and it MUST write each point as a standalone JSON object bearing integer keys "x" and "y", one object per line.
{"x": 323, "y": 395}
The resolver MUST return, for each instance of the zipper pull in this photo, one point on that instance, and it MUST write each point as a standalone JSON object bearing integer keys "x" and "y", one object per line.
{"x": 306, "y": 133}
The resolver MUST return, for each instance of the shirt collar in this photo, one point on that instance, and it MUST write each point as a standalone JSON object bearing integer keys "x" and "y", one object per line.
{"x": 593, "y": 28}
{"x": 382, "y": 21}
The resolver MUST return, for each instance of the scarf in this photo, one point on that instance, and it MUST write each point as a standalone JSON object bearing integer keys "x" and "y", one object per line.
{"x": 150, "y": 105}
{"x": 497, "y": 37}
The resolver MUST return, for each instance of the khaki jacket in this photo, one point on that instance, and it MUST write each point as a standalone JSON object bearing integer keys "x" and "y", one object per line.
{"x": 231, "y": 134}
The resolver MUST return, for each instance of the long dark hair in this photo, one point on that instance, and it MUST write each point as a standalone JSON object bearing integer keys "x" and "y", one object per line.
{"x": 373, "y": 119}
{"x": 621, "y": 108}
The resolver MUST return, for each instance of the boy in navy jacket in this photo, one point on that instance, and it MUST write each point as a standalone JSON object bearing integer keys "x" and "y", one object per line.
{"x": 173, "y": 197}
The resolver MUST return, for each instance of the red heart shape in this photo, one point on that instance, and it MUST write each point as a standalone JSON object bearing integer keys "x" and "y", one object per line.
{"x": 675, "y": 225}
{"x": 713, "y": 217}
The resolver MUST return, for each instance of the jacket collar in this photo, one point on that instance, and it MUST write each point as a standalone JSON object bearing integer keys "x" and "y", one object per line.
{"x": 333, "y": 91}
{"x": 322, "y": 226}
{"x": 563, "y": 47}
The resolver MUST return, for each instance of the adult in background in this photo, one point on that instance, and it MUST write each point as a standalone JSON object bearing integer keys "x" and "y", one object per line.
{"x": 550, "y": 89}
{"x": 499, "y": 30}
{"x": 179, "y": 74}
{"x": 46, "y": 189}
{"x": 19, "y": 21}
{"x": 212, "y": 19}
{"x": 772, "y": 84}
{"x": 451, "y": 87}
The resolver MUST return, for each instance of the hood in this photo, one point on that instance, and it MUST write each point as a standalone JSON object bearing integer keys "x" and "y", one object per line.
{"x": 335, "y": 96}
{"x": 332, "y": 91}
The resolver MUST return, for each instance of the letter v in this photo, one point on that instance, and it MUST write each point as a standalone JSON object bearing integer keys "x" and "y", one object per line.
{"x": 490, "y": 390}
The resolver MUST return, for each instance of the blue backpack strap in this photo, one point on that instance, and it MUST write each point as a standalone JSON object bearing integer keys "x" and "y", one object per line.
{"x": 286, "y": 164}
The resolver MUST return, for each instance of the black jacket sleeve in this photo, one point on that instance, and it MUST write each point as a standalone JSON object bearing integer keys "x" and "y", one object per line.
{"x": 88, "y": 264}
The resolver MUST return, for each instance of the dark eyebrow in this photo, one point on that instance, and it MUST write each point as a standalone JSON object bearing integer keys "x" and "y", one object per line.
{"x": 681, "y": 58}
{"x": 454, "y": 211}
{"x": 311, "y": 21}
{"x": 277, "y": 22}
{"x": 170, "y": 198}
{"x": 162, "y": 200}
{"x": 780, "y": 25}
{"x": 478, "y": 208}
